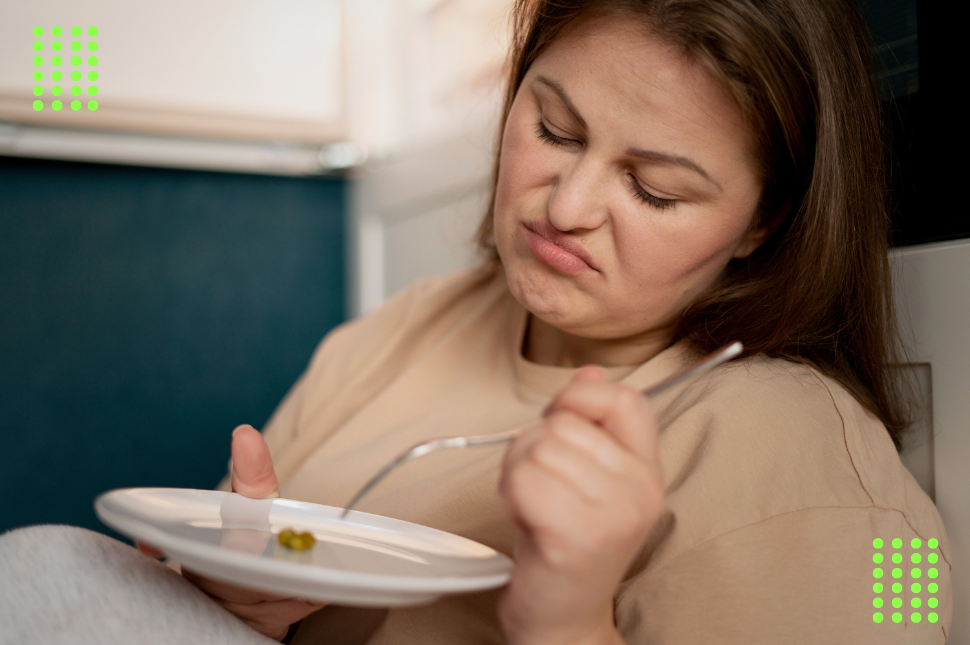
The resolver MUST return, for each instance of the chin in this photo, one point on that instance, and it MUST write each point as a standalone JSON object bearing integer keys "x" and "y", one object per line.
{"x": 542, "y": 294}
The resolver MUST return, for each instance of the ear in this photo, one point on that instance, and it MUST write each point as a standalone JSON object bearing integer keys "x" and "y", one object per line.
{"x": 751, "y": 240}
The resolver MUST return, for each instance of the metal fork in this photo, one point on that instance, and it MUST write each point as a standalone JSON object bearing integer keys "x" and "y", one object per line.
{"x": 706, "y": 364}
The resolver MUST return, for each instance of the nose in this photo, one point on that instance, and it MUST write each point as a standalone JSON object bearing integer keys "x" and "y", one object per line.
{"x": 578, "y": 200}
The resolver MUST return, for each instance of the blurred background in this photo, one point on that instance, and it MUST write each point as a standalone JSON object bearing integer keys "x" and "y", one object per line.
{"x": 258, "y": 171}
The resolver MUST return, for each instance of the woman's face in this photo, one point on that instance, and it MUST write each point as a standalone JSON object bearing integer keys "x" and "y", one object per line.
{"x": 627, "y": 182}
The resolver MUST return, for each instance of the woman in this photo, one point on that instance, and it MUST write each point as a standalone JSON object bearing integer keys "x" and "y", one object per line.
{"x": 672, "y": 175}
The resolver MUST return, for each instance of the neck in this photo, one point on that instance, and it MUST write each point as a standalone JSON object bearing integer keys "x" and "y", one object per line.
{"x": 548, "y": 345}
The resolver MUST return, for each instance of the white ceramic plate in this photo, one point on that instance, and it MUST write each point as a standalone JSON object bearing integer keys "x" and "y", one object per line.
{"x": 365, "y": 560}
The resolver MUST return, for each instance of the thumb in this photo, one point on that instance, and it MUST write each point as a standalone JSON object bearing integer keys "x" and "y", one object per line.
{"x": 252, "y": 466}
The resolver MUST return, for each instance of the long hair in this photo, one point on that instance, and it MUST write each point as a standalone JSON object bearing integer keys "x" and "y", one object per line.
{"x": 818, "y": 291}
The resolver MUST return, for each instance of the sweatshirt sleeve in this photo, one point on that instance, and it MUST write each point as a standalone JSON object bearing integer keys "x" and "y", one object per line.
{"x": 807, "y": 576}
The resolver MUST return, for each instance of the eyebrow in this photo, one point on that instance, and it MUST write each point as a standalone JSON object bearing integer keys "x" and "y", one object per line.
{"x": 649, "y": 155}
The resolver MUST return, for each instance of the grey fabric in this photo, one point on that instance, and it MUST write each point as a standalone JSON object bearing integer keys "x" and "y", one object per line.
{"x": 71, "y": 586}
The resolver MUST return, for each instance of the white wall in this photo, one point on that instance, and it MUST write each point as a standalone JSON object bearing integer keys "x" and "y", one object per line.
{"x": 933, "y": 296}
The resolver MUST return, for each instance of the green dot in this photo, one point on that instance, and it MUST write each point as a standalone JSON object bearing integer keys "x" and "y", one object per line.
{"x": 92, "y": 76}
{"x": 897, "y": 602}
{"x": 56, "y": 45}
{"x": 75, "y": 60}
{"x": 93, "y": 46}
{"x": 877, "y": 573}
{"x": 915, "y": 543}
{"x": 877, "y": 558}
{"x": 877, "y": 602}
{"x": 916, "y": 602}
{"x": 92, "y": 105}
{"x": 75, "y": 75}
{"x": 932, "y": 558}
{"x": 932, "y": 587}
{"x": 916, "y": 617}
{"x": 38, "y": 76}
{"x": 38, "y": 61}
{"x": 57, "y": 31}
{"x": 76, "y": 90}
{"x": 877, "y": 588}
{"x": 897, "y": 558}
{"x": 897, "y": 617}
{"x": 38, "y": 90}
{"x": 877, "y": 543}
{"x": 916, "y": 557}
{"x": 56, "y": 61}
{"x": 93, "y": 90}
{"x": 76, "y": 46}
{"x": 932, "y": 572}
{"x": 897, "y": 543}
{"x": 38, "y": 31}
{"x": 57, "y": 76}
{"x": 877, "y": 617}
{"x": 932, "y": 603}
{"x": 92, "y": 31}
{"x": 897, "y": 587}
{"x": 75, "y": 105}
{"x": 75, "y": 31}
{"x": 56, "y": 90}
{"x": 915, "y": 572}
{"x": 933, "y": 543}
{"x": 897, "y": 572}
{"x": 932, "y": 617}
{"x": 915, "y": 587}
{"x": 38, "y": 105}
{"x": 56, "y": 106}
{"x": 93, "y": 61}
{"x": 38, "y": 46}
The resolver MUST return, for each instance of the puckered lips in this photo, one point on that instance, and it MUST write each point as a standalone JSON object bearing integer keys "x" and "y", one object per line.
{"x": 561, "y": 251}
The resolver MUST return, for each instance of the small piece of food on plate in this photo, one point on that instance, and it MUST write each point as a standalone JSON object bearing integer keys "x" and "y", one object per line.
{"x": 296, "y": 541}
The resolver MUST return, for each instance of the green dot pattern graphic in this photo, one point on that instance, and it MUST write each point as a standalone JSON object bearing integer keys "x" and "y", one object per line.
{"x": 915, "y": 600}
{"x": 56, "y": 61}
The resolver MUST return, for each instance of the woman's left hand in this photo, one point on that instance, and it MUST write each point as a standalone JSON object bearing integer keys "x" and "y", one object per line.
{"x": 584, "y": 486}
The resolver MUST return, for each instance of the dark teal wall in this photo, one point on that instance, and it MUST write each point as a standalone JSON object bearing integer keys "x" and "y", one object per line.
{"x": 144, "y": 313}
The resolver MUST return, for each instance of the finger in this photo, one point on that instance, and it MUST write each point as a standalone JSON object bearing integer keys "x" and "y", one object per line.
{"x": 584, "y": 373}
{"x": 272, "y": 618}
{"x": 229, "y": 592}
{"x": 149, "y": 550}
{"x": 582, "y": 472}
{"x": 620, "y": 410}
{"x": 252, "y": 466}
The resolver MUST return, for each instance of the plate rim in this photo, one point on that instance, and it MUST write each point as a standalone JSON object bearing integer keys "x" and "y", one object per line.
{"x": 307, "y": 574}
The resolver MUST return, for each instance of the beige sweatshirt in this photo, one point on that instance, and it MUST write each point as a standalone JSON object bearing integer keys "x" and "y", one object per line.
{"x": 777, "y": 481}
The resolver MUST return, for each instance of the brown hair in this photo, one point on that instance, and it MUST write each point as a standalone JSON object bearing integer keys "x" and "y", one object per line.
{"x": 818, "y": 291}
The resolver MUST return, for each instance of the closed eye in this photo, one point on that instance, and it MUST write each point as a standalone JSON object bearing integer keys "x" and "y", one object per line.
{"x": 638, "y": 191}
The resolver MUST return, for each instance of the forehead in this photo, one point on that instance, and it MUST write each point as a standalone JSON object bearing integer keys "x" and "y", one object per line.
{"x": 617, "y": 71}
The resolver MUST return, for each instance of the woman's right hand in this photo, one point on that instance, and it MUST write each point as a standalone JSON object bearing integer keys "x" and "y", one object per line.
{"x": 252, "y": 476}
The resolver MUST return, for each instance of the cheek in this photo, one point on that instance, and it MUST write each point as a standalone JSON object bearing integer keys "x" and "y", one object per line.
{"x": 677, "y": 255}
{"x": 524, "y": 170}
